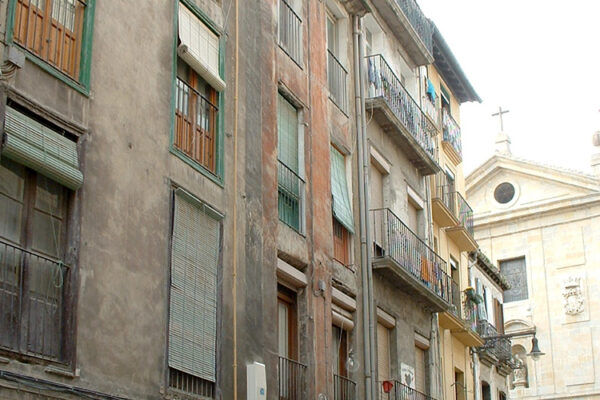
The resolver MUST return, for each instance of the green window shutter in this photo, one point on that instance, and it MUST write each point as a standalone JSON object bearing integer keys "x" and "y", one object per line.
{"x": 193, "y": 297}
{"x": 32, "y": 144}
{"x": 342, "y": 211}
{"x": 287, "y": 134}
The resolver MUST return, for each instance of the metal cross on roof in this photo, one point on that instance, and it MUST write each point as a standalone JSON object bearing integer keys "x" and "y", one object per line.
{"x": 499, "y": 114}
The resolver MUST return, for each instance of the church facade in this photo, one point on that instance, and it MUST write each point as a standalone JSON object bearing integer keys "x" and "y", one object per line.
{"x": 541, "y": 226}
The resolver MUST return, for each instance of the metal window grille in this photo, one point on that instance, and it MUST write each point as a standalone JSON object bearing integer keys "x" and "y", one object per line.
{"x": 336, "y": 79}
{"x": 290, "y": 31}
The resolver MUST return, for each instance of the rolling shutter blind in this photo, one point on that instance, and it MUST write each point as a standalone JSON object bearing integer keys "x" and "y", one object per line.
{"x": 383, "y": 353}
{"x": 34, "y": 145}
{"x": 342, "y": 211}
{"x": 287, "y": 134}
{"x": 199, "y": 48}
{"x": 420, "y": 369}
{"x": 193, "y": 303}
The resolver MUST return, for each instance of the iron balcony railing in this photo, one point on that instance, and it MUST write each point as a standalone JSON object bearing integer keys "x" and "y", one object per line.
{"x": 499, "y": 347}
{"x": 336, "y": 78}
{"x": 290, "y": 190}
{"x": 383, "y": 83}
{"x": 290, "y": 31}
{"x": 419, "y": 22}
{"x": 395, "y": 390}
{"x": 451, "y": 132}
{"x": 430, "y": 108}
{"x": 31, "y": 302}
{"x": 465, "y": 213}
{"x": 292, "y": 375}
{"x": 395, "y": 240}
{"x": 456, "y": 300}
{"x": 343, "y": 388}
{"x": 445, "y": 191}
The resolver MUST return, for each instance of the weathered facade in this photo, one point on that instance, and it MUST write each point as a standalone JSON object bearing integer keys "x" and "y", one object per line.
{"x": 221, "y": 199}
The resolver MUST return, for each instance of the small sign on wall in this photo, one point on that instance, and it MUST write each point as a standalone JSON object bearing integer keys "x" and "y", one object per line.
{"x": 407, "y": 374}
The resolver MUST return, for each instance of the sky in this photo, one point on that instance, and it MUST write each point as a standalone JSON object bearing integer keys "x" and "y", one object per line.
{"x": 538, "y": 59}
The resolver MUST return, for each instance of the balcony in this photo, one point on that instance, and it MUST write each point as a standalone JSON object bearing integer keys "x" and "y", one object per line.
{"x": 399, "y": 115}
{"x": 336, "y": 79}
{"x": 451, "y": 140}
{"x": 290, "y": 32}
{"x": 497, "y": 351}
{"x": 343, "y": 388}
{"x": 444, "y": 202}
{"x": 290, "y": 191}
{"x": 395, "y": 390}
{"x": 459, "y": 326}
{"x": 292, "y": 382}
{"x": 412, "y": 28}
{"x": 32, "y": 298}
{"x": 406, "y": 261}
{"x": 462, "y": 234}
{"x": 431, "y": 109}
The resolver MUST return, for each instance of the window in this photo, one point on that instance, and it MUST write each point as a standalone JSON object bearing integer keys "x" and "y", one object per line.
{"x": 33, "y": 213}
{"x": 193, "y": 296}
{"x": 343, "y": 221}
{"x": 420, "y": 369}
{"x": 486, "y": 392}
{"x": 38, "y": 166}
{"x": 290, "y": 29}
{"x": 55, "y": 32}
{"x": 383, "y": 353}
{"x": 198, "y": 85}
{"x": 336, "y": 73}
{"x": 291, "y": 372}
{"x": 459, "y": 385}
{"x": 504, "y": 193}
{"x": 515, "y": 272}
{"x": 290, "y": 183}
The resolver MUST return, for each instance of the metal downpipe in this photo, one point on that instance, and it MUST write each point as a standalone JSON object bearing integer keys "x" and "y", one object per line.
{"x": 363, "y": 209}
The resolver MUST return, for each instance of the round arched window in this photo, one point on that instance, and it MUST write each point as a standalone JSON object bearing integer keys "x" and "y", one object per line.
{"x": 504, "y": 193}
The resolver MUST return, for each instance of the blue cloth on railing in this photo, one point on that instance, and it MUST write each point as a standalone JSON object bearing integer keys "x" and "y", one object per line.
{"x": 431, "y": 89}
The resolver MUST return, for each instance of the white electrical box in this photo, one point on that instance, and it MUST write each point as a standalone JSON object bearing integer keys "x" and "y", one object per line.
{"x": 257, "y": 381}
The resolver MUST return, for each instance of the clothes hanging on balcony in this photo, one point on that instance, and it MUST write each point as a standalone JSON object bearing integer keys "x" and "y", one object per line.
{"x": 431, "y": 90}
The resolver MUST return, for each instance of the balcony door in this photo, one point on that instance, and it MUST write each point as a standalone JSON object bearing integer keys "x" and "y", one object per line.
{"x": 376, "y": 202}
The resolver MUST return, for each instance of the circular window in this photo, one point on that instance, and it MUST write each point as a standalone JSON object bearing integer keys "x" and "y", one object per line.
{"x": 504, "y": 193}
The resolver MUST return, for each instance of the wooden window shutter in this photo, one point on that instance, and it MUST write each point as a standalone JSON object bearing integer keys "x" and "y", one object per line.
{"x": 342, "y": 210}
{"x": 287, "y": 134}
{"x": 420, "y": 370}
{"x": 383, "y": 353}
{"x": 193, "y": 296}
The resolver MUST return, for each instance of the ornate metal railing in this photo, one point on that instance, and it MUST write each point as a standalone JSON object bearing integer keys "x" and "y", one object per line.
{"x": 451, "y": 132}
{"x": 292, "y": 375}
{"x": 336, "y": 78}
{"x": 290, "y": 191}
{"x": 31, "y": 302}
{"x": 444, "y": 191}
{"x": 343, "y": 388}
{"x": 392, "y": 238}
{"x": 419, "y": 22}
{"x": 430, "y": 108}
{"x": 290, "y": 31}
{"x": 499, "y": 347}
{"x": 465, "y": 213}
{"x": 384, "y": 83}
{"x": 395, "y": 390}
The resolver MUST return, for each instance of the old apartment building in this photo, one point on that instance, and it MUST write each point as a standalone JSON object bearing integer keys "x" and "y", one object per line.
{"x": 257, "y": 199}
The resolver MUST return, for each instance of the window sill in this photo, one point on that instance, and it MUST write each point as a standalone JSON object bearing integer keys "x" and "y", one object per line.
{"x": 64, "y": 372}
{"x": 54, "y": 72}
{"x": 216, "y": 179}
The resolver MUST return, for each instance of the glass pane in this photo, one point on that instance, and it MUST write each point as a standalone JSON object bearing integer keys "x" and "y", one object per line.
{"x": 49, "y": 196}
{"x": 10, "y": 269}
{"x": 12, "y": 185}
{"x": 46, "y": 234}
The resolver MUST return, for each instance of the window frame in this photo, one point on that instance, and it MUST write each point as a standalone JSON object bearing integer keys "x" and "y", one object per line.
{"x": 218, "y": 176}
{"x": 67, "y": 339}
{"x": 82, "y": 85}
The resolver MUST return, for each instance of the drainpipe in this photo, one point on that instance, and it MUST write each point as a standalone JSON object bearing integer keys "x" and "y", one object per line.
{"x": 235, "y": 199}
{"x": 476, "y": 386}
{"x": 365, "y": 259}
